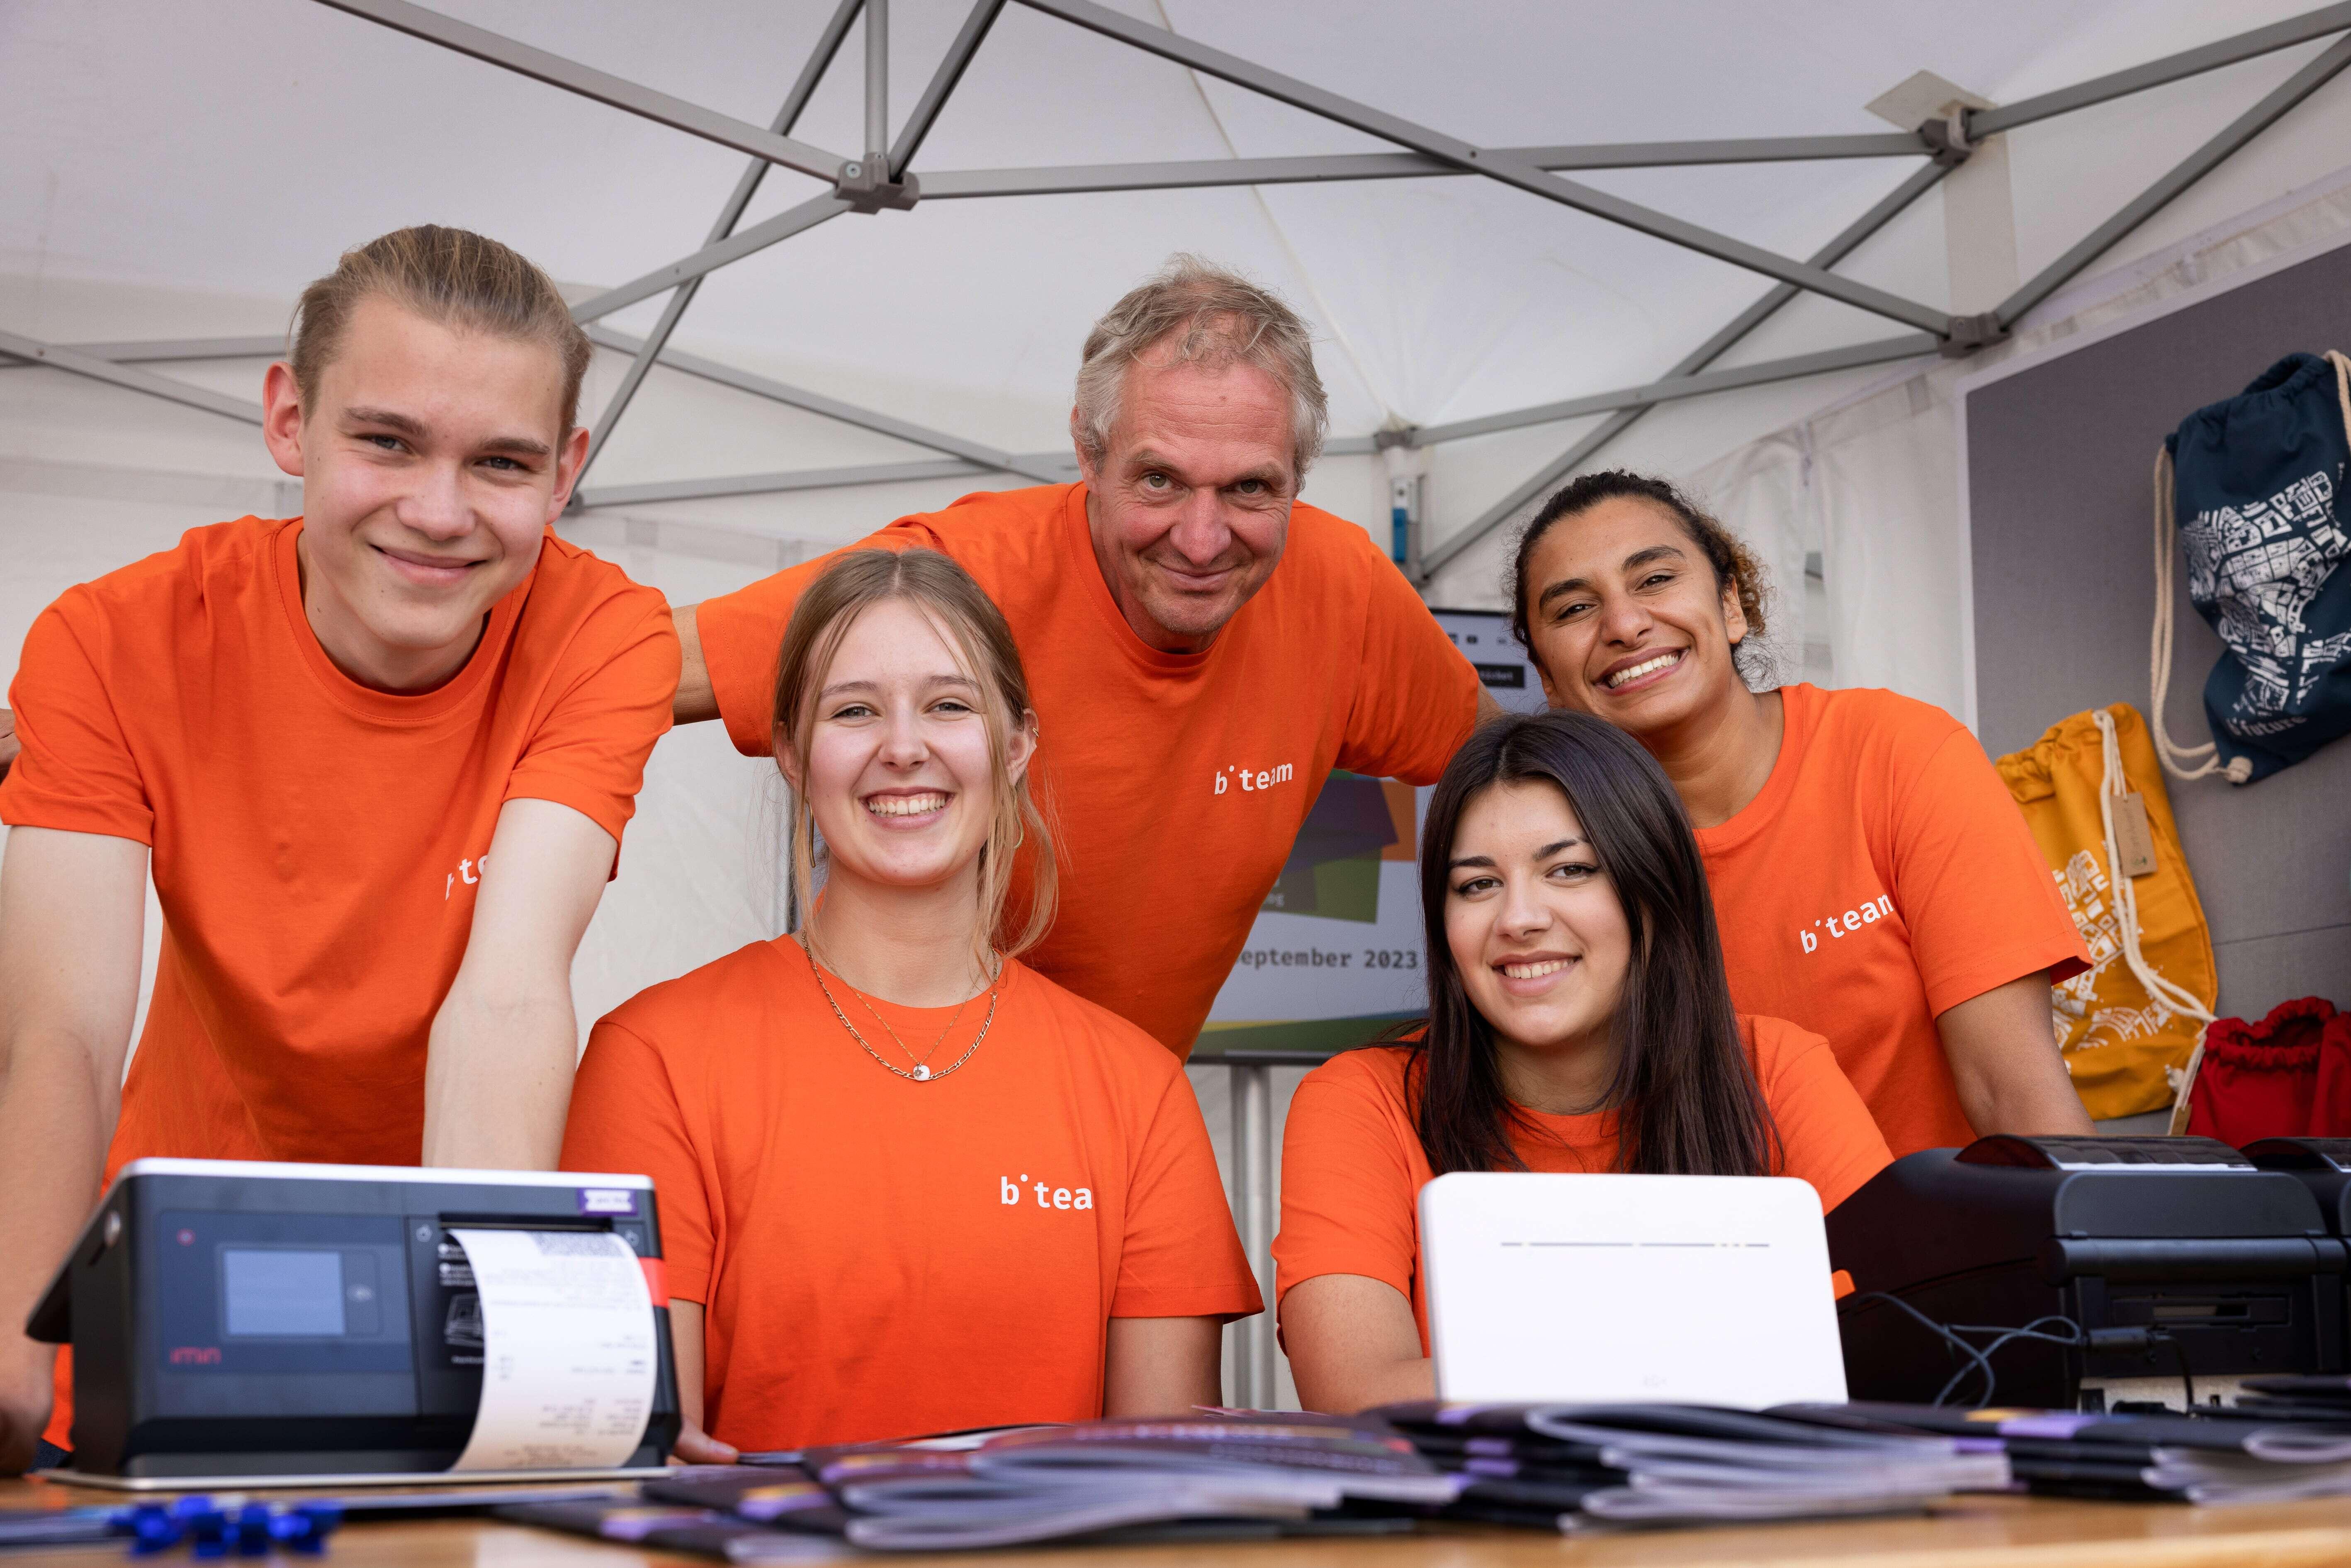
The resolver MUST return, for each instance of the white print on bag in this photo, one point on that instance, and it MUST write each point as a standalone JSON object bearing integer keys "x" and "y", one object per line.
{"x": 1264, "y": 779}
{"x": 1007, "y": 1192}
{"x": 2258, "y": 567}
{"x": 2080, "y": 1021}
{"x": 1852, "y": 920}
{"x": 466, "y": 871}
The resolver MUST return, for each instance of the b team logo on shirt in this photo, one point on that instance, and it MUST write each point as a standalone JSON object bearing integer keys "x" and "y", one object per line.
{"x": 1852, "y": 920}
{"x": 468, "y": 872}
{"x": 1263, "y": 778}
{"x": 1008, "y": 1192}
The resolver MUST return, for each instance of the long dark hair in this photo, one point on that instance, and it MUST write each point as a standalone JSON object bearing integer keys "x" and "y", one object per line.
{"x": 1735, "y": 565}
{"x": 1687, "y": 1099}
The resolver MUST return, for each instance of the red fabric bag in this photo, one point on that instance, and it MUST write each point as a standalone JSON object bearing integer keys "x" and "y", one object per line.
{"x": 2274, "y": 1079}
{"x": 2330, "y": 1114}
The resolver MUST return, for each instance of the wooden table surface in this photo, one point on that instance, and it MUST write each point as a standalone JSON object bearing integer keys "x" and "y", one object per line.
{"x": 1972, "y": 1532}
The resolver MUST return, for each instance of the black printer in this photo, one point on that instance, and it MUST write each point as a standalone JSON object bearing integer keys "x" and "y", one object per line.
{"x": 244, "y": 1320}
{"x": 2321, "y": 1164}
{"x": 2235, "y": 1265}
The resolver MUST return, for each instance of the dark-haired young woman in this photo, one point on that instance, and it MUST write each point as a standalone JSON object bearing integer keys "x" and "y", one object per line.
{"x": 1873, "y": 881}
{"x": 1579, "y": 1020}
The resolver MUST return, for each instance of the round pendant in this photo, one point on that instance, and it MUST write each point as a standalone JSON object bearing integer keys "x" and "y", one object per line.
{"x": 922, "y": 1073}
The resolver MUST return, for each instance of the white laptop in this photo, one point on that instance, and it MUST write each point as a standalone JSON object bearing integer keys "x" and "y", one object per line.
{"x": 1629, "y": 1288}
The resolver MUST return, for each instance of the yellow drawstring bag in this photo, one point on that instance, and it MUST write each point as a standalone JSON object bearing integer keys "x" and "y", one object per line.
{"x": 2092, "y": 793}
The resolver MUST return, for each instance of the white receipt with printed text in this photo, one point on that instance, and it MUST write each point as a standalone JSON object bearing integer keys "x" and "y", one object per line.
{"x": 568, "y": 1352}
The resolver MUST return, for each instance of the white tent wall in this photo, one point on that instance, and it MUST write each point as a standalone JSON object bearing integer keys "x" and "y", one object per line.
{"x": 1433, "y": 300}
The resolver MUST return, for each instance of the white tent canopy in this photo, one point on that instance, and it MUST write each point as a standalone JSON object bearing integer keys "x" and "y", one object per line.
{"x": 231, "y": 158}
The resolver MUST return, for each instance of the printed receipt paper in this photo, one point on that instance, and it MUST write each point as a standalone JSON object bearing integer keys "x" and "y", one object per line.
{"x": 568, "y": 1359}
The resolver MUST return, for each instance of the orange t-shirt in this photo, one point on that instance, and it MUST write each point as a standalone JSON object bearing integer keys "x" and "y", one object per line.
{"x": 1352, "y": 1165}
{"x": 1882, "y": 877}
{"x": 879, "y": 1258}
{"x": 1181, "y": 778}
{"x": 299, "y": 821}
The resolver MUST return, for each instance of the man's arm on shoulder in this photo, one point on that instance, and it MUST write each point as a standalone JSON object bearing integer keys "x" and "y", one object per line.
{"x": 732, "y": 655}
{"x": 497, "y": 1079}
{"x": 72, "y": 906}
{"x": 8, "y": 747}
{"x": 2006, "y": 1065}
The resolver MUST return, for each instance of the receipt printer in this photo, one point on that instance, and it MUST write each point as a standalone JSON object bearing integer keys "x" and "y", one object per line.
{"x": 2226, "y": 1270}
{"x": 245, "y": 1319}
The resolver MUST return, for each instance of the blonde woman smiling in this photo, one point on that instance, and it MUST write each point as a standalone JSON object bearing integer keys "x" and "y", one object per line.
{"x": 908, "y": 1184}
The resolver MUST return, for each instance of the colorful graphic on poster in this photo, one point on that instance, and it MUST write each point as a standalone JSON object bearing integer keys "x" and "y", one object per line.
{"x": 1333, "y": 869}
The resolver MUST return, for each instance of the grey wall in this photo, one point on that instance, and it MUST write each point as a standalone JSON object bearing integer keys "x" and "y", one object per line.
{"x": 2060, "y": 461}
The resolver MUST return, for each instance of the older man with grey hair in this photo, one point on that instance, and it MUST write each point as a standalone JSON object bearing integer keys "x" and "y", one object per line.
{"x": 1201, "y": 647}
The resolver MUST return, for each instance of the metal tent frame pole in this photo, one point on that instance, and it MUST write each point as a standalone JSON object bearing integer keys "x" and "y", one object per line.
{"x": 1434, "y": 559}
{"x": 943, "y": 82}
{"x": 2229, "y": 51}
{"x": 1044, "y": 467}
{"x": 1492, "y": 162}
{"x": 1043, "y": 470}
{"x": 81, "y": 363}
{"x": 711, "y": 257}
{"x": 1197, "y": 174}
{"x": 2189, "y": 170}
{"x": 658, "y": 491}
{"x": 510, "y": 53}
{"x": 2004, "y": 317}
{"x": 1251, "y": 1086}
{"x": 828, "y": 45}
{"x": 1908, "y": 346}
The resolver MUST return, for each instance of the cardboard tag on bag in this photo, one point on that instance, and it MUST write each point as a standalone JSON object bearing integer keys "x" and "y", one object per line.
{"x": 2134, "y": 840}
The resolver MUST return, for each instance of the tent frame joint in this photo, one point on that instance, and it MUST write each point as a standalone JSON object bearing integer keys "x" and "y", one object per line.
{"x": 867, "y": 189}
{"x": 1974, "y": 334}
{"x": 1947, "y": 141}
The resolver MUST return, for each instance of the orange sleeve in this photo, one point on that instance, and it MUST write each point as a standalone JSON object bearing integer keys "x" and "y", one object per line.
{"x": 75, "y": 771}
{"x": 1416, "y": 695}
{"x": 1348, "y": 1186}
{"x": 1827, "y": 1137}
{"x": 1180, "y": 1257}
{"x": 590, "y": 752}
{"x": 742, "y": 632}
{"x": 625, "y": 1121}
{"x": 1977, "y": 897}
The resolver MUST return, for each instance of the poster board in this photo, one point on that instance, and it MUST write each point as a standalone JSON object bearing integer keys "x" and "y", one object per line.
{"x": 1335, "y": 953}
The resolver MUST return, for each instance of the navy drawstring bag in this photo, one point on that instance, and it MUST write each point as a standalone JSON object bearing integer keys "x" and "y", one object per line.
{"x": 2256, "y": 484}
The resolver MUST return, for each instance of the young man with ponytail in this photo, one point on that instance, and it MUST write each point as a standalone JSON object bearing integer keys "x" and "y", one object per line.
{"x": 378, "y": 758}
